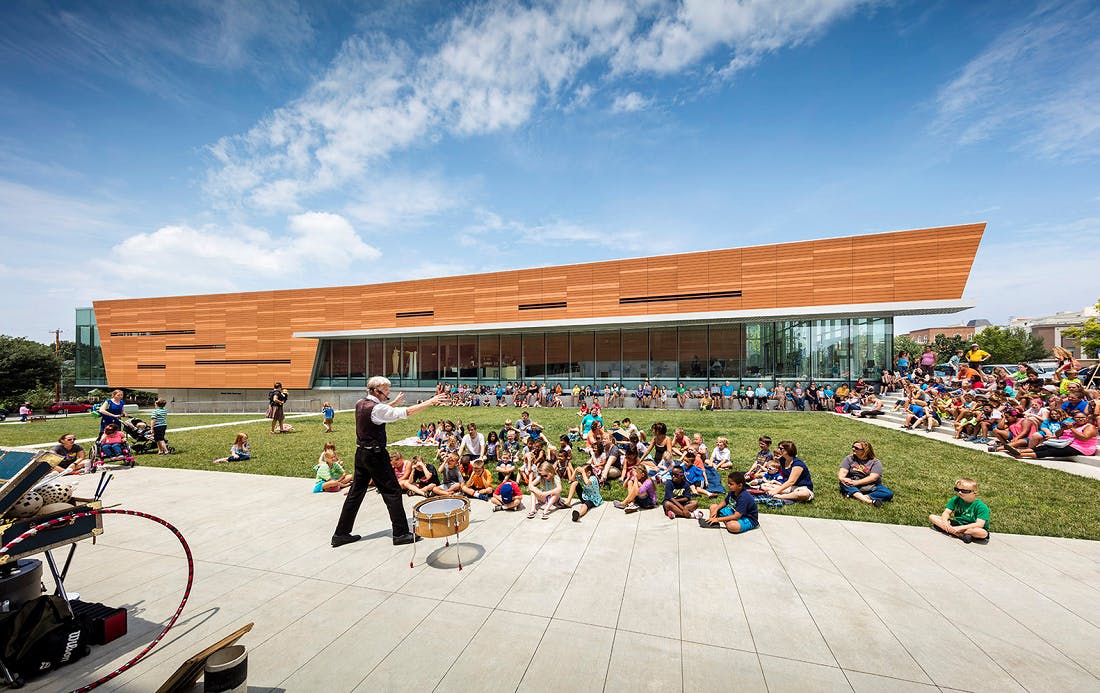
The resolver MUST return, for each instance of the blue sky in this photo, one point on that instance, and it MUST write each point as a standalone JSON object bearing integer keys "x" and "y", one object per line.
{"x": 209, "y": 146}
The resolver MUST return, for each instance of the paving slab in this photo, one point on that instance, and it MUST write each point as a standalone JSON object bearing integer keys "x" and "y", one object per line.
{"x": 614, "y": 602}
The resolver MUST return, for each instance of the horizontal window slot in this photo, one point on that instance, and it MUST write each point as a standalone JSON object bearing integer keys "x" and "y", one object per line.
{"x": 240, "y": 362}
{"x": 193, "y": 347}
{"x": 679, "y": 297}
{"x": 151, "y": 366}
{"x": 542, "y": 306}
{"x": 416, "y": 314}
{"x": 151, "y": 333}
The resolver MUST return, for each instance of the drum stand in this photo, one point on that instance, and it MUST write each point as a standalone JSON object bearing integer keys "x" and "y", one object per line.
{"x": 446, "y": 543}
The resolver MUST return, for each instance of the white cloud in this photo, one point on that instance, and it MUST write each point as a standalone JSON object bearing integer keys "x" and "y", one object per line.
{"x": 625, "y": 103}
{"x": 184, "y": 259}
{"x": 1037, "y": 85}
{"x": 491, "y": 68}
{"x": 398, "y": 201}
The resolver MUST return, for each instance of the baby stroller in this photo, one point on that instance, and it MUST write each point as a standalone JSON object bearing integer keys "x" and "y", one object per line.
{"x": 140, "y": 436}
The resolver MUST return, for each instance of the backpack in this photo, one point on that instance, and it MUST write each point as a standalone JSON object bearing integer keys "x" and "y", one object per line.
{"x": 41, "y": 636}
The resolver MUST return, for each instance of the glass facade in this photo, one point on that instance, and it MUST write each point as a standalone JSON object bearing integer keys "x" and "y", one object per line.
{"x": 89, "y": 355}
{"x": 820, "y": 350}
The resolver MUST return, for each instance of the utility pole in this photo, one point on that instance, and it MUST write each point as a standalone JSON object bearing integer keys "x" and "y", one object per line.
{"x": 57, "y": 353}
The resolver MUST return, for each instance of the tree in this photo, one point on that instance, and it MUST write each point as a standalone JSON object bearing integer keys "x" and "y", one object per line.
{"x": 24, "y": 366}
{"x": 945, "y": 347}
{"x": 1088, "y": 336}
{"x": 903, "y": 343}
{"x": 1011, "y": 344}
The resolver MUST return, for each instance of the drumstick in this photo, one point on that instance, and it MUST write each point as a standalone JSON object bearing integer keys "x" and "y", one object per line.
{"x": 99, "y": 486}
{"x": 104, "y": 489}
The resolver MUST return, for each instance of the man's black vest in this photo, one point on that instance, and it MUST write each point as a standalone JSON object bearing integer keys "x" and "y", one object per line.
{"x": 367, "y": 433}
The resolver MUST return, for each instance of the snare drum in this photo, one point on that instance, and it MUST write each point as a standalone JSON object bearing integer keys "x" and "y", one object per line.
{"x": 441, "y": 517}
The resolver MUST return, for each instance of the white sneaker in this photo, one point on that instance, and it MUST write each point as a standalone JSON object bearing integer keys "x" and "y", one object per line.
{"x": 631, "y": 508}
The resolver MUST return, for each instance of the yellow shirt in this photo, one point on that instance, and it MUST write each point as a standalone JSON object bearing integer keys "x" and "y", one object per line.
{"x": 975, "y": 355}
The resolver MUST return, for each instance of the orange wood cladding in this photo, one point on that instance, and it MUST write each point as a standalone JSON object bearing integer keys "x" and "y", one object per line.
{"x": 256, "y": 327}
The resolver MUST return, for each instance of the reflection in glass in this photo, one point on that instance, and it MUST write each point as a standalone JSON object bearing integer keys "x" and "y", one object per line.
{"x": 608, "y": 356}
{"x": 662, "y": 353}
{"x": 830, "y": 349}
{"x": 557, "y": 355}
{"x": 534, "y": 357}
{"x": 635, "y": 354}
{"x": 582, "y": 353}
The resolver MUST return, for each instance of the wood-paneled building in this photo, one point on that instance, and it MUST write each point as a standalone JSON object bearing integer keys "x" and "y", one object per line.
{"x": 818, "y": 309}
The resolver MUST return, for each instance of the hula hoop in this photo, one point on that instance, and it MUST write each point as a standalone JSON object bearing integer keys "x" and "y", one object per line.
{"x": 114, "y": 511}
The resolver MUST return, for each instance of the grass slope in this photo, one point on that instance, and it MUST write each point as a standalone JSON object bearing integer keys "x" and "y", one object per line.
{"x": 1025, "y": 499}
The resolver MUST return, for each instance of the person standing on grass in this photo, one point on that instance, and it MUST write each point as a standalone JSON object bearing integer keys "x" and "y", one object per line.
{"x": 160, "y": 426}
{"x": 276, "y": 399}
{"x": 372, "y": 461}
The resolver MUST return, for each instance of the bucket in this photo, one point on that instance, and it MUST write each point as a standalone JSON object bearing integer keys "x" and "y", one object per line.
{"x": 226, "y": 671}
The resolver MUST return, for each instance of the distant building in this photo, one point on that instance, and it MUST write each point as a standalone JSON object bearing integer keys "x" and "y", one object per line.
{"x": 964, "y": 331}
{"x": 1051, "y": 329}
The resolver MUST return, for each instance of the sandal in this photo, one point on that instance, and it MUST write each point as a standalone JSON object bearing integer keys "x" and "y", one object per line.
{"x": 532, "y": 514}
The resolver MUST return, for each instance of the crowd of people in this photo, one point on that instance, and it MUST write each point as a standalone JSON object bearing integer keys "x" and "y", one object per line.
{"x": 713, "y": 397}
{"x": 1020, "y": 413}
{"x": 520, "y": 468}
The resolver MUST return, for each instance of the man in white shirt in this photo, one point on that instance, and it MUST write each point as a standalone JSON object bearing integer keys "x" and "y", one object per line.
{"x": 472, "y": 446}
{"x": 372, "y": 461}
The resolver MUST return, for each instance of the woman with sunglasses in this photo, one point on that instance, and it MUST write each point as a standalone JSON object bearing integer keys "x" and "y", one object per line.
{"x": 1078, "y": 437}
{"x": 70, "y": 452}
{"x": 798, "y": 485}
{"x": 860, "y": 476}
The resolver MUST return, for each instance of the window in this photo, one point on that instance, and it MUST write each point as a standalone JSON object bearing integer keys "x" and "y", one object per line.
{"x": 608, "y": 356}
{"x": 534, "y": 357}
{"x": 582, "y": 353}
{"x": 635, "y": 354}
{"x": 662, "y": 353}
{"x": 692, "y": 353}
{"x": 557, "y": 355}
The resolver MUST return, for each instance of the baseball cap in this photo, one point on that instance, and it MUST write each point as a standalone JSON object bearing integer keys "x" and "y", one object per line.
{"x": 507, "y": 493}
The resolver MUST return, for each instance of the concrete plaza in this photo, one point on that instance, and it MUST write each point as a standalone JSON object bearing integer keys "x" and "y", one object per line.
{"x": 615, "y": 602}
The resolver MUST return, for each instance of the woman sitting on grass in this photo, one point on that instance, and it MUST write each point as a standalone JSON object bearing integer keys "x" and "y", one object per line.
{"x": 331, "y": 476}
{"x": 798, "y": 485}
{"x": 860, "y": 476}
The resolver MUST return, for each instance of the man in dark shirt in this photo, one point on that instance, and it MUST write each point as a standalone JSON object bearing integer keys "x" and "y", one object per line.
{"x": 372, "y": 461}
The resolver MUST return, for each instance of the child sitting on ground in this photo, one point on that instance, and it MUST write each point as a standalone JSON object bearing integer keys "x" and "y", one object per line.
{"x": 423, "y": 478}
{"x": 641, "y": 492}
{"x": 401, "y": 467}
{"x": 763, "y": 456}
{"x": 720, "y": 456}
{"x": 679, "y": 495}
{"x": 591, "y": 497}
{"x": 507, "y": 496}
{"x": 330, "y": 473}
{"x": 451, "y": 480}
{"x": 772, "y": 477}
{"x": 238, "y": 452}
{"x": 545, "y": 491}
{"x": 738, "y": 511}
{"x": 480, "y": 482}
{"x": 328, "y": 413}
{"x": 964, "y": 516}
{"x": 110, "y": 443}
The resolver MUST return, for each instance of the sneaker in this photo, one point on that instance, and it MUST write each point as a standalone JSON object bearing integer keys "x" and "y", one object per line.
{"x": 576, "y": 516}
{"x": 631, "y": 508}
{"x": 877, "y": 503}
{"x": 619, "y": 505}
{"x": 967, "y": 538}
{"x": 671, "y": 515}
{"x": 497, "y": 508}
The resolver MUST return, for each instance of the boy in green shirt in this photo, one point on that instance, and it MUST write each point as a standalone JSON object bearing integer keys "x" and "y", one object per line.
{"x": 965, "y": 516}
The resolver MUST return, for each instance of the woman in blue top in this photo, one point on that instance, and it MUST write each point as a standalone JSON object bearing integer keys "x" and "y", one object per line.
{"x": 111, "y": 411}
{"x": 798, "y": 486}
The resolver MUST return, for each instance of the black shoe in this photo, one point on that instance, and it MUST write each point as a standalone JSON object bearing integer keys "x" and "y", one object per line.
{"x": 967, "y": 538}
{"x": 341, "y": 539}
{"x": 876, "y": 503}
{"x": 408, "y": 538}
{"x": 576, "y": 516}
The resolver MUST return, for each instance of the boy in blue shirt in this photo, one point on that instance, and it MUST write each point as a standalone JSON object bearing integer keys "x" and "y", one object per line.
{"x": 737, "y": 511}
{"x": 679, "y": 501}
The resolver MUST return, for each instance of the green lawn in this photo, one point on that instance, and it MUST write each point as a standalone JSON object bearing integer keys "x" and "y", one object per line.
{"x": 1025, "y": 499}
{"x": 87, "y": 426}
